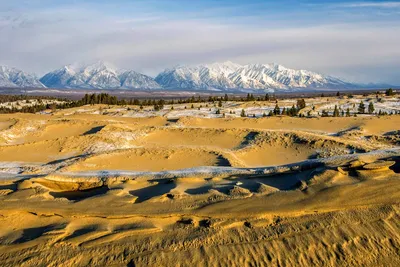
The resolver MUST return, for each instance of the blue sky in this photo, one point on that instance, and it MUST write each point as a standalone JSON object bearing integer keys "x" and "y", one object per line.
{"x": 355, "y": 40}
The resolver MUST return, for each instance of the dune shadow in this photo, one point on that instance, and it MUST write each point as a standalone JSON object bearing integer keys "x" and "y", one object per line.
{"x": 30, "y": 234}
{"x": 199, "y": 190}
{"x": 57, "y": 161}
{"x": 80, "y": 232}
{"x": 80, "y": 195}
{"x": 391, "y": 133}
{"x": 223, "y": 162}
{"x": 164, "y": 186}
{"x": 12, "y": 187}
{"x": 94, "y": 130}
{"x": 286, "y": 181}
{"x": 396, "y": 167}
{"x": 251, "y": 136}
{"x": 342, "y": 132}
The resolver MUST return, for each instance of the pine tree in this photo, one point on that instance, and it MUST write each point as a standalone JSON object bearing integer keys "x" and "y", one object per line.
{"x": 301, "y": 103}
{"x": 338, "y": 94}
{"x": 218, "y": 112}
{"x": 243, "y": 113}
{"x": 226, "y": 98}
{"x": 389, "y": 92}
{"x": 264, "y": 115}
{"x": 371, "y": 108}
{"x": 266, "y": 97}
{"x": 361, "y": 108}
{"x": 336, "y": 112}
{"x": 277, "y": 110}
{"x": 219, "y": 103}
{"x": 270, "y": 113}
{"x": 293, "y": 111}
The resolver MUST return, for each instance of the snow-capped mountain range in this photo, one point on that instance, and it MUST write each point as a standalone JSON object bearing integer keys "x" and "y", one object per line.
{"x": 97, "y": 76}
{"x": 10, "y": 77}
{"x": 227, "y": 76}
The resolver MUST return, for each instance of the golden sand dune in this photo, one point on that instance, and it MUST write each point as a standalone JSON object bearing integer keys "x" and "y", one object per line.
{"x": 106, "y": 190}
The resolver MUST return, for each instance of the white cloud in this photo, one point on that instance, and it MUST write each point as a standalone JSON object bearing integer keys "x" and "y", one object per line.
{"x": 41, "y": 40}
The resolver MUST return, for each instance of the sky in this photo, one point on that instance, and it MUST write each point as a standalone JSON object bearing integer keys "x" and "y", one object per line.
{"x": 358, "y": 41}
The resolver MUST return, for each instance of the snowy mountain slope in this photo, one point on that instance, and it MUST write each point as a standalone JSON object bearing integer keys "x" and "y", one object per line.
{"x": 229, "y": 75}
{"x": 11, "y": 77}
{"x": 135, "y": 80}
{"x": 199, "y": 77}
{"x": 217, "y": 76}
{"x": 97, "y": 76}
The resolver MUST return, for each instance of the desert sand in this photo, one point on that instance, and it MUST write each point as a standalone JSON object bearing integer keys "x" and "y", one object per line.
{"x": 85, "y": 189}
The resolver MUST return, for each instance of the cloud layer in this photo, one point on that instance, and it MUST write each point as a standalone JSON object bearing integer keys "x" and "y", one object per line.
{"x": 358, "y": 46}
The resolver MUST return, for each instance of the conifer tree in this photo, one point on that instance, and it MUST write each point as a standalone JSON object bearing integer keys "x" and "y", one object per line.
{"x": 277, "y": 110}
{"x": 243, "y": 113}
{"x": 301, "y": 103}
{"x": 371, "y": 108}
{"x": 226, "y": 98}
{"x": 361, "y": 108}
{"x": 389, "y": 92}
{"x": 336, "y": 112}
{"x": 348, "y": 112}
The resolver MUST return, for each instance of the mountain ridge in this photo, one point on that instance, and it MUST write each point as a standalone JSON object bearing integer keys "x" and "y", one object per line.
{"x": 218, "y": 76}
{"x": 12, "y": 77}
{"x": 268, "y": 77}
{"x": 97, "y": 76}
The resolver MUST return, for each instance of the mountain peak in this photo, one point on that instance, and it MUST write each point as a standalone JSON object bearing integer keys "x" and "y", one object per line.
{"x": 12, "y": 77}
{"x": 229, "y": 75}
{"x": 220, "y": 76}
{"x": 98, "y": 75}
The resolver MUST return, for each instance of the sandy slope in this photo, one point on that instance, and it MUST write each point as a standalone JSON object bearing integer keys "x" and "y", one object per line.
{"x": 107, "y": 190}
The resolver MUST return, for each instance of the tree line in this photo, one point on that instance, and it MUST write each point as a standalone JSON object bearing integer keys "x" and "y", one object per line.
{"x": 158, "y": 104}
